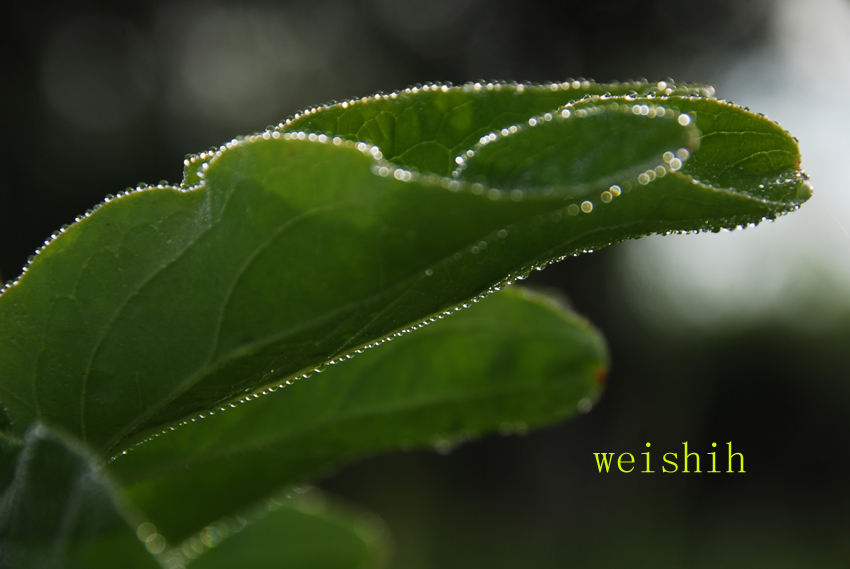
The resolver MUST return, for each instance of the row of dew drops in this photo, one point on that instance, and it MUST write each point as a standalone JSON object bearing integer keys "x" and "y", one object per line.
{"x": 661, "y": 88}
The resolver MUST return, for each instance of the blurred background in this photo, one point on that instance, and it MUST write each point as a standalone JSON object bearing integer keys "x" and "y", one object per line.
{"x": 740, "y": 336}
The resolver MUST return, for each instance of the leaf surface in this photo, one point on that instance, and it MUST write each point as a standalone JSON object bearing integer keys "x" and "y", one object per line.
{"x": 300, "y": 248}
{"x": 514, "y": 360}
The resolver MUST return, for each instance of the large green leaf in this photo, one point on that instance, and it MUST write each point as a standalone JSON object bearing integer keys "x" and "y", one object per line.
{"x": 516, "y": 358}
{"x": 302, "y": 248}
{"x": 59, "y": 511}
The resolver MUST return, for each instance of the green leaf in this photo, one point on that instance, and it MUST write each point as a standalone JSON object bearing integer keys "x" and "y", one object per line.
{"x": 515, "y": 360}
{"x": 544, "y": 152}
{"x": 298, "y": 249}
{"x": 302, "y": 531}
{"x": 60, "y": 511}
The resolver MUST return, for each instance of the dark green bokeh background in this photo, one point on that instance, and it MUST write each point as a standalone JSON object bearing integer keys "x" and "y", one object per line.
{"x": 98, "y": 97}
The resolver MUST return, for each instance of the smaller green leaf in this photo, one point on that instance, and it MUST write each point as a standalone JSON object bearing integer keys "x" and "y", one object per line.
{"x": 513, "y": 361}
{"x": 578, "y": 148}
{"x": 305, "y": 530}
{"x": 744, "y": 152}
{"x": 59, "y": 511}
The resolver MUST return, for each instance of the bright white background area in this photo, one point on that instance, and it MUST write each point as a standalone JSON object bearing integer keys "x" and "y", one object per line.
{"x": 798, "y": 266}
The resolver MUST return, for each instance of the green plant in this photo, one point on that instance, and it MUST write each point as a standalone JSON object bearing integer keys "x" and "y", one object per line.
{"x": 293, "y": 249}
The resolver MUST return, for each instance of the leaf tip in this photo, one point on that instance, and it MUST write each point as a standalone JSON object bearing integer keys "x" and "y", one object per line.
{"x": 600, "y": 375}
